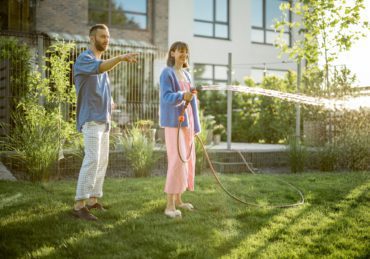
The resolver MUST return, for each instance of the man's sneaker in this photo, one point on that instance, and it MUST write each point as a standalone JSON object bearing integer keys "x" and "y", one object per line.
{"x": 96, "y": 206}
{"x": 84, "y": 213}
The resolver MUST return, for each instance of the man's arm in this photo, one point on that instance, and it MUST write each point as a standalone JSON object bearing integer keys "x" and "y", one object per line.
{"x": 108, "y": 64}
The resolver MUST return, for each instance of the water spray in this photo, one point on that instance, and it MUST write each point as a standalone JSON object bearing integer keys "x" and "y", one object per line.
{"x": 348, "y": 103}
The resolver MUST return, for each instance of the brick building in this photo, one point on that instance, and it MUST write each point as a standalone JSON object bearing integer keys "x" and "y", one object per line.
{"x": 144, "y": 20}
{"x": 139, "y": 26}
{"x": 211, "y": 28}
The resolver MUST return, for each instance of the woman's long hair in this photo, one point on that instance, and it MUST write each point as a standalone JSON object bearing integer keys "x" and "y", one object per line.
{"x": 177, "y": 45}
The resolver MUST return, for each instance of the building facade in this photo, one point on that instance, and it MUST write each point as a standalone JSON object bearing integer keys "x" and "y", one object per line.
{"x": 212, "y": 28}
{"x": 243, "y": 28}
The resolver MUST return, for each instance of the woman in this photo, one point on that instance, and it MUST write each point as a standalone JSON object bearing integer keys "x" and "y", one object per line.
{"x": 175, "y": 84}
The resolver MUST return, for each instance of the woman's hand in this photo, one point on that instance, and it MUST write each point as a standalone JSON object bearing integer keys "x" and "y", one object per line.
{"x": 188, "y": 96}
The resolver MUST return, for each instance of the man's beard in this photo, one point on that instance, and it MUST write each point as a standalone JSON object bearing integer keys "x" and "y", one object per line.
{"x": 100, "y": 46}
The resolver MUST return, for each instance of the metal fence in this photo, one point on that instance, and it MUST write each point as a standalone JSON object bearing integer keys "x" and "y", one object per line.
{"x": 135, "y": 87}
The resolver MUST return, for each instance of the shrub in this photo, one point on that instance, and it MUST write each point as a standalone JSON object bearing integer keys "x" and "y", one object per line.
{"x": 355, "y": 151}
{"x": 34, "y": 141}
{"x": 19, "y": 56}
{"x": 206, "y": 124}
{"x": 146, "y": 127}
{"x": 297, "y": 155}
{"x": 328, "y": 157}
{"x": 139, "y": 152}
{"x": 39, "y": 129}
{"x": 353, "y": 140}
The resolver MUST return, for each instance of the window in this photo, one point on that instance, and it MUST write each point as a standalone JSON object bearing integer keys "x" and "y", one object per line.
{"x": 210, "y": 74}
{"x": 124, "y": 14}
{"x": 258, "y": 73}
{"x": 264, "y": 14}
{"x": 17, "y": 15}
{"x": 211, "y": 18}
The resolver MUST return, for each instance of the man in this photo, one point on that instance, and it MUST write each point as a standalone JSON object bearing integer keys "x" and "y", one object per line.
{"x": 94, "y": 106}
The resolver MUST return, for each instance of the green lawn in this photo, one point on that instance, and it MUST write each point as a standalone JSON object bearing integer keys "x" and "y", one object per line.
{"x": 35, "y": 219}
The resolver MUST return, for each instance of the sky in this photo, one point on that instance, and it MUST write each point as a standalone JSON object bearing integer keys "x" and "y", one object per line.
{"x": 358, "y": 58}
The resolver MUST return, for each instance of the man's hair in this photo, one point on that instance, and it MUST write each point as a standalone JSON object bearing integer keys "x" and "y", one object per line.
{"x": 94, "y": 28}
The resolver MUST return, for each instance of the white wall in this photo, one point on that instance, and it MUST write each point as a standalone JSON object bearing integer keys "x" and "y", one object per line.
{"x": 215, "y": 51}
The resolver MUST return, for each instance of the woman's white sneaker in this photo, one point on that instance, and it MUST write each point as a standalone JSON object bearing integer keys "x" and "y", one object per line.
{"x": 172, "y": 213}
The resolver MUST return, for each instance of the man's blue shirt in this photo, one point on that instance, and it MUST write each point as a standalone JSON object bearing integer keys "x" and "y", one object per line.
{"x": 92, "y": 89}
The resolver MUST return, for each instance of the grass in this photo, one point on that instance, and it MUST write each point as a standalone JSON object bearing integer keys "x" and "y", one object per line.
{"x": 35, "y": 219}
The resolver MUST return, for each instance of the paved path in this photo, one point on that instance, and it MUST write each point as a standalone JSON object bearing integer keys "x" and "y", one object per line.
{"x": 5, "y": 174}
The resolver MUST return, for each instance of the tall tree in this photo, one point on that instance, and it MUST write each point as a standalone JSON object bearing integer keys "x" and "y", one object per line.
{"x": 325, "y": 27}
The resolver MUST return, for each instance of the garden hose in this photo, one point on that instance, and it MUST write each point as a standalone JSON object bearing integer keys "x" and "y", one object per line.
{"x": 181, "y": 119}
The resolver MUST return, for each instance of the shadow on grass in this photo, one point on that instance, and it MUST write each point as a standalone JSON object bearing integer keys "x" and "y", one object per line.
{"x": 40, "y": 225}
{"x": 312, "y": 230}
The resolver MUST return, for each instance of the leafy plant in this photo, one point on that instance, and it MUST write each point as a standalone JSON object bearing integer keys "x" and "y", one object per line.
{"x": 144, "y": 124}
{"x": 146, "y": 127}
{"x": 297, "y": 155}
{"x": 353, "y": 139}
{"x": 328, "y": 156}
{"x": 205, "y": 123}
{"x": 18, "y": 55}
{"x": 139, "y": 151}
{"x": 33, "y": 141}
{"x": 39, "y": 128}
{"x": 322, "y": 33}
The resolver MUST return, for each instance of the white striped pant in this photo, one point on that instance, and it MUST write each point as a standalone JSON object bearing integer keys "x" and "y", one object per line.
{"x": 95, "y": 162}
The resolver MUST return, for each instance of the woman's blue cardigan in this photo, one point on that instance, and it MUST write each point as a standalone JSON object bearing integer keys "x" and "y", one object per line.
{"x": 171, "y": 101}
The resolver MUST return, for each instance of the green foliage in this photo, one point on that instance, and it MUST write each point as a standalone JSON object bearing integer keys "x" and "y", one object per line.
{"x": 144, "y": 124}
{"x": 245, "y": 118}
{"x": 297, "y": 155}
{"x": 328, "y": 156}
{"x": 350, "y": 148}
{"x": 214, "y": 103}
{"x": 139, "y": 151}
{"x": 327, "y": 27}
{"x": 40, "y": 130}
{"x": 34, "y": 142}
{"x": 249, "y": 81}
{"x": 18, "y": 55}
{"x": 59, "y": 89}
{"x": 276, "y": 116}
{"x": 206, "y": 124}
{"x": 209, "y": 122}
{"x": 353, "y": 140}
{"x": 322, "y": 34}
{"x": 146, "y": 127}
{"x": 255, "y": 118}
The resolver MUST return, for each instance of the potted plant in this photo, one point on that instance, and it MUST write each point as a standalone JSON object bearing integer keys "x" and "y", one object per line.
{"x": 218, "y": 130}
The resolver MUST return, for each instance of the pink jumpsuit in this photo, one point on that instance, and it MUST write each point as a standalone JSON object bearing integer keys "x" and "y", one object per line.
{"x": 180, "y": 176}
